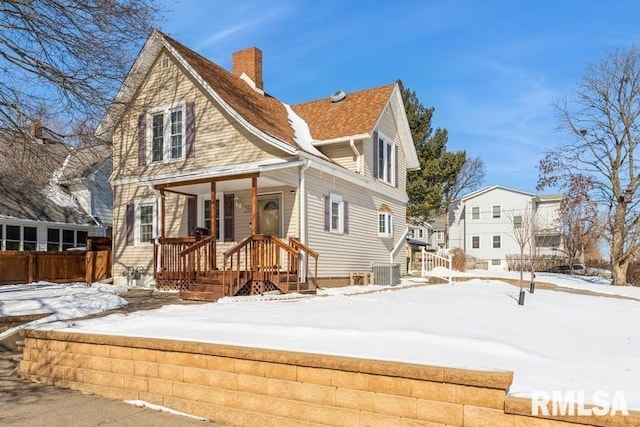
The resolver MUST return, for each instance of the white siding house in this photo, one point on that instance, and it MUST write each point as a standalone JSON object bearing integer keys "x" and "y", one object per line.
{"x": 482, "y": 223}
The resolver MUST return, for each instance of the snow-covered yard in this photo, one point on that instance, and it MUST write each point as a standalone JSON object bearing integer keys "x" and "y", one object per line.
{"x": 556, "y": 341}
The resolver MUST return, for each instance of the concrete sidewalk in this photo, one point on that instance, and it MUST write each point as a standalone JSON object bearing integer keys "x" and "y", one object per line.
{"x": 29, "y": 404}
{"x": 24, "y": 403}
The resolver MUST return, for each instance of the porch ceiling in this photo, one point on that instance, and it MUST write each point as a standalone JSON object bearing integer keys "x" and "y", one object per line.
{"x": 227, "y": 186}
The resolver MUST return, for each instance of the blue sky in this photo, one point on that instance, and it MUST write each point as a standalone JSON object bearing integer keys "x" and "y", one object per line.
{"x": 492, "y": 69}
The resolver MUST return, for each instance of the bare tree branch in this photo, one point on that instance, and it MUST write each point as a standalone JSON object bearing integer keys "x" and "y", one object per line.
{"x": 68, "y": 56}
{"x": 602, "y": 126}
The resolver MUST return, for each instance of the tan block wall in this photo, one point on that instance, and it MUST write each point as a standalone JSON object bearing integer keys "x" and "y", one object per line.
{"x": 241, "y": 386}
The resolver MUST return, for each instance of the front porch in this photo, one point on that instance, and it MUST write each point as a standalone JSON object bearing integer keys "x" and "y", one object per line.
{"x": 257, "y": 265}
{"x": 208, "y": 263}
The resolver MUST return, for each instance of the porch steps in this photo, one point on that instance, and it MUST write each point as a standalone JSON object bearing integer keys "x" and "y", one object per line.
{"x": 203, "y": 291}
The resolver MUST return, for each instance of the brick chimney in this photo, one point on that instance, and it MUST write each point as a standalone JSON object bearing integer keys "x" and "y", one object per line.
{"x": 249, "y": 61}
{"x": 36, "y": 130}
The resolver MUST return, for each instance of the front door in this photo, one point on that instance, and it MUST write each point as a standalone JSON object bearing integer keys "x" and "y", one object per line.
{"x": 269, "y": 207}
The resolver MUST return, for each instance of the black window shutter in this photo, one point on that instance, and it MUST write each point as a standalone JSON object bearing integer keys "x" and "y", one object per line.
{"x": 395, "y": 163}
{"x": 345, "y": 217}
{"x": 191, "y": 216}
{"x": 229, "y": 206}
{"x": 142, "y": 139}
{"x": 129, "y": 223}
{"x": 190, "y": 130}
{"x": 327, "y": 213}
{"x": 375, "y": 141}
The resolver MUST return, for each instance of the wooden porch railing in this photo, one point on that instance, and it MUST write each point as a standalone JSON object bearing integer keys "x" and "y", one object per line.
{"x": 300, "y": 247}
{"x": 166, "y": 257}
{"x": 261, "y": 258}
{"x": 197, "y": 259}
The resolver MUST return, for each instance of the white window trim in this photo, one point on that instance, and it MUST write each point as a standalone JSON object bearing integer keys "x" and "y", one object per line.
{"x": 334, "y": 198}
{"x": 388, "y": 222}
{"x": 472, "y": 209}
{"x": 390, "y": 180}
{"x": 472, "y": 237}
{"x": 493, "y": 212}
{"x": 493, "y": 242}
{"x": 22, "y": 240}
{"x": 166, "y": 136}
{"x": 136, "y": 231}
{"x": 200, "y": 216}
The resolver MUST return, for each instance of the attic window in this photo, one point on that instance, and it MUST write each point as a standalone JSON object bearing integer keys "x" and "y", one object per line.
{"x": 164, "y": 63}
{"x": 338, "y": 96}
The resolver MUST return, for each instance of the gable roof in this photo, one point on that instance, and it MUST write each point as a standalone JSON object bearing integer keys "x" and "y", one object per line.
{"x": 262, "y": 114}
{"x": 484, "y": 190}
{"x": 29, "y": 182}
{"x": 356, "y": 114}
{"x": 85, "y": 161}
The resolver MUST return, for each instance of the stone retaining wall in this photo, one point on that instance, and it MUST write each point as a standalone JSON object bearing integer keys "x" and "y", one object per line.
{"x": 255, "y": 387}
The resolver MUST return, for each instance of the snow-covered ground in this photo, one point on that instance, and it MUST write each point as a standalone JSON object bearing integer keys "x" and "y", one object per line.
{"x": 61, "y": 301}
{"x": 556, "y": 341}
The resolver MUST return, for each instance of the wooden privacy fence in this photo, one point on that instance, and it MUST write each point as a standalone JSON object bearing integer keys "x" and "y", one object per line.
{"x": 61, "y": 267}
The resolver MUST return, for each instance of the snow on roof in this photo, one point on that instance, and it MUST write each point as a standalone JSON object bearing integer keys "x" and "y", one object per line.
{"x": 301, "y": 132}
{"x": 55, "y": 193}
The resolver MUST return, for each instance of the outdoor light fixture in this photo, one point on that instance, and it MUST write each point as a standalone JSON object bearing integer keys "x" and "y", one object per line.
{"x": 237, "y": 202}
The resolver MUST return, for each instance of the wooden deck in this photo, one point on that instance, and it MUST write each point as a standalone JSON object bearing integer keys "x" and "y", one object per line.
{"x": 257, "y": 265}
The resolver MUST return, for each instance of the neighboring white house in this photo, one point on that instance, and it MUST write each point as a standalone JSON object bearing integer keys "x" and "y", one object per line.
{"x": 482, "y": 223}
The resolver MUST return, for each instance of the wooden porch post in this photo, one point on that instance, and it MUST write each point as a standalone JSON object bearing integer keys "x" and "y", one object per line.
{"x": 254, "y": 204}
{"x": 212, "y": 226}
{"x": 162, "y": 214}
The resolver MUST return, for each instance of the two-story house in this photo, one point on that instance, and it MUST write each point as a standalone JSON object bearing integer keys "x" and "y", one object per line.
{"x": 43, "y": 182}
{"x": 482, "y": 224}
{"x": 216, "y": 181}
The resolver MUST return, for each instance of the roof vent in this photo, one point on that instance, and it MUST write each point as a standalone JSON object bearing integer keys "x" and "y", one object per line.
{"x": 338, "y": 96}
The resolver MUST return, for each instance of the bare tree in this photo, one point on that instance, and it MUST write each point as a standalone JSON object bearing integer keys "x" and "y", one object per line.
{"x": 67, "y": 57}
{"x": 525, "y": 226}
{"x": 469, "y": 178}
{"x": 603, "y": 127}
{"x": 579, "y": 224}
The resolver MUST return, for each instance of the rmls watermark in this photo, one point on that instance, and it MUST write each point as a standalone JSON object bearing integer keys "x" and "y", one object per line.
{"x": 574, "y": 402}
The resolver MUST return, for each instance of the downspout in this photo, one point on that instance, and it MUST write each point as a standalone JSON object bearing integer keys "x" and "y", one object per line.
{"x": 357, "y": 153}
{"x": 302, "y": 205}
{"x": 398, "y": 245}
{"x": 302, "y": 190}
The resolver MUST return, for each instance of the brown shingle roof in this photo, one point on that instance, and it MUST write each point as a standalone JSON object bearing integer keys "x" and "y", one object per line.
{"x": 262, "y": 111}
{"x": 356, "y": 114}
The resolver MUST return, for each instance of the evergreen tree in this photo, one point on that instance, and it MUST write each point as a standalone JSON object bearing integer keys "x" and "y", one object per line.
{"x": 439, "y": 169}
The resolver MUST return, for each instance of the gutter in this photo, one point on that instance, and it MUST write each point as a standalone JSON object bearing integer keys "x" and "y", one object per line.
{"x": 321, "y": 142}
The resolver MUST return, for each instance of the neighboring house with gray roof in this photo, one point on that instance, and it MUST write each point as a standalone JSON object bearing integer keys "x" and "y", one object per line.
{"x": 50, "y": 193}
